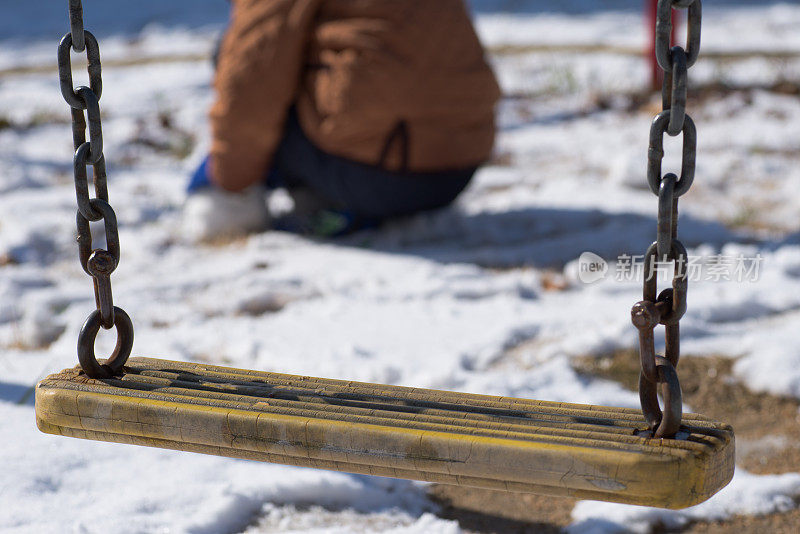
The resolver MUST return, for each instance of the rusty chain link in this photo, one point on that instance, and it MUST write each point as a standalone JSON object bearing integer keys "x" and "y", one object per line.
{"x": 668, "y": 307}
{"x": 98, "y": 263}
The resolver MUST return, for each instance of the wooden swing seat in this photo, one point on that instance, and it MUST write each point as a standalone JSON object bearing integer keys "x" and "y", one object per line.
{"x": 502, "y": 443}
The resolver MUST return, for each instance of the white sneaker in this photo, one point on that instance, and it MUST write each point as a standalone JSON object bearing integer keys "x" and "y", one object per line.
{"x": 211, "y": 214}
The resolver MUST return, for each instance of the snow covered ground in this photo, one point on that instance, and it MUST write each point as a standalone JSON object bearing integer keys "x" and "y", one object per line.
{"x": 457, "y": 299}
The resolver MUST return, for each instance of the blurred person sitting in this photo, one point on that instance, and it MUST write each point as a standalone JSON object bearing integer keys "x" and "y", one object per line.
{"x": 363, "y": 110}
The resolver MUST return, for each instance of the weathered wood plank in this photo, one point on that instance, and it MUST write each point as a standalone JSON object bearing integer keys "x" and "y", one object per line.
{"x": 565, "y": 449}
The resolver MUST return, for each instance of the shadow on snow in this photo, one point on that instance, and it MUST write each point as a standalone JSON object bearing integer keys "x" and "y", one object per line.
{"x": 535, "y": 237}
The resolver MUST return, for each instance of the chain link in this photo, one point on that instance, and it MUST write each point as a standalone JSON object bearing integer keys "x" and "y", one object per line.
{"x": 99, "y": 263}
{"x": 658, "y": 373}
{"x": 656, "y": 153}
{"x": 664, "y": 31}
{"x": 76, "y": 24}
{"x": 675, "y": 89}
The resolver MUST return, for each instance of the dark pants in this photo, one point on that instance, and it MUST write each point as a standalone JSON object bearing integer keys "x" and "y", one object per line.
{"x": 368, "y": 191}
{"x": 363, "y": 191}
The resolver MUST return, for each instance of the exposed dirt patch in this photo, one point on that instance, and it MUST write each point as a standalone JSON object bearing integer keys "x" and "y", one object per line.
{"x": 788, "y": 523}
{"x": 486, "y": 511}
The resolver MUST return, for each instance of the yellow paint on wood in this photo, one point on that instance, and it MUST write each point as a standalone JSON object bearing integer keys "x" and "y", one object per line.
{"x": 503, "y": 443}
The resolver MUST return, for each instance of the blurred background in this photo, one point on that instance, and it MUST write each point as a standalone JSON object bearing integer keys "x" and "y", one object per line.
{"x": 484, "y": 296}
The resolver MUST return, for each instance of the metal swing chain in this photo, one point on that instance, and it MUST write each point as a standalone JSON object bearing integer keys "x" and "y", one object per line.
{"x": 98, "y": 263}
{"x": 668, "y": 307}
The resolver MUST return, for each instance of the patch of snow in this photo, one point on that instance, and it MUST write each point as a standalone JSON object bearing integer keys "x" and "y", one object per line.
{"x": 747, "y": 494}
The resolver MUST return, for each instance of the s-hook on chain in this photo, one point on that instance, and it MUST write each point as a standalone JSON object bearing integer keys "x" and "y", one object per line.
{"x": 98, "y": 263}
{"x": 669, "y": 306}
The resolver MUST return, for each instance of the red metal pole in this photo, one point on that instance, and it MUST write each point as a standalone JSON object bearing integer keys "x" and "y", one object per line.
{"x": 656, "y": 75}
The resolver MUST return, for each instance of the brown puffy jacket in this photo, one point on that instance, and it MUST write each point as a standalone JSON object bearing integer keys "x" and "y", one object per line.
{"x": 358, "y": 72}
